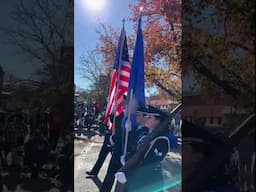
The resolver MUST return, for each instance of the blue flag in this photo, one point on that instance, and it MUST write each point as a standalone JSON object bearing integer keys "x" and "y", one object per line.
{"x": 137, "y": 79}
{"x": 136, "y": 88}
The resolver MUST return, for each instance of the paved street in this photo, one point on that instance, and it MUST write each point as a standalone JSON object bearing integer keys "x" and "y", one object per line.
{"x": 86, "y": 153}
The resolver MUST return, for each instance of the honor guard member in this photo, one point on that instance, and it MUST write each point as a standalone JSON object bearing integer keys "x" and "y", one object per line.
{"x": 116, "y": 141}
{"x": 104, "y": 151}
{"x": 135, "y": 135}
{"x": 199, "y": 145}
{"x": 149, "y": 168}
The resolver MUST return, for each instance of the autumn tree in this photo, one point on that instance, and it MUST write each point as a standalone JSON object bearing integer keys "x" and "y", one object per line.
{"x": 162, "y": 47}
{"x": 218, "y": 42}
{"x": 162, "y": 37}
{"x": 218, "y": 45}
{"x": 96, "y": 66}
{"x": 107, "y": 45}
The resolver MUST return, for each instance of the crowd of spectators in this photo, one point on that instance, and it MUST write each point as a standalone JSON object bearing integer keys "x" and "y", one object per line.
{"x": 34, "y": 145}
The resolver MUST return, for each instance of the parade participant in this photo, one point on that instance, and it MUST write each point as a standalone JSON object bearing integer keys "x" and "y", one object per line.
{"x": 105, "y": 150}
{"x": 199, "y": 144}
{"x": 114, "y": 163}
{"x": 110, "y": 140}
{"x": 150, "y": 164}
{"x": 134, "y": 136}
{"x": 115, "y": 141}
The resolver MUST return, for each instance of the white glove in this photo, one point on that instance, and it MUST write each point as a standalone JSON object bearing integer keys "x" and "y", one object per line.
{"x": 128, "y": 125}
{"x": 122, "y": 159}
{"x": 120, "y": 177}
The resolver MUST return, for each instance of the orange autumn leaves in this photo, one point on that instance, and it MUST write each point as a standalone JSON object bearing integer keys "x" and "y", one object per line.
{"x": 162, "y": 38}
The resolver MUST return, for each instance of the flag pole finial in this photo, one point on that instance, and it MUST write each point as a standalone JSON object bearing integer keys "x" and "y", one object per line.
{"x": 123, "y": 21}
{"x": 141, "y": 11}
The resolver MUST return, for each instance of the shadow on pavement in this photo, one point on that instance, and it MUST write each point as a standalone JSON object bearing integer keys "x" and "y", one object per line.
{"x": 96, "y": 180}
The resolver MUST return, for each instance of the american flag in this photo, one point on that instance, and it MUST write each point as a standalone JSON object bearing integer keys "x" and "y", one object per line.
{"x": 119, "y": 82}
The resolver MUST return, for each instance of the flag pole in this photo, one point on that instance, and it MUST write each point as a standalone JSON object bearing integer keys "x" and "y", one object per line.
{"x": 129, "y": 107}
{"x": 129, "y": 121}
{"x": 118, "y": 77}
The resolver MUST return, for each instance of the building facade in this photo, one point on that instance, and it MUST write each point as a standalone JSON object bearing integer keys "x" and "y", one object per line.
{"x": 166, "y": 103}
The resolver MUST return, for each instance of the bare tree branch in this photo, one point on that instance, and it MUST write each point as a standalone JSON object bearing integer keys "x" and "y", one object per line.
{"x": 91, "y": 67}
{"x": 202, "y": 69}
{"x": 242, "y": 46}
{"x": 40, "y": 29}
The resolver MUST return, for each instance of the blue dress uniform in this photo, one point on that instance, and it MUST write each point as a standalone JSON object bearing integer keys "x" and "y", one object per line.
{"x": 136, "y": 134}
{"x": 114, "y": 163}
{"x": 147, "y": 176}
{"x": 133, "y": 140}
{"x": 105, "y": 150}
{"x": 150, "y": 168}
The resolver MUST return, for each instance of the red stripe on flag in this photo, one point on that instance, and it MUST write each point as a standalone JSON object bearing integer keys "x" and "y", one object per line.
{"x": 124, "y": 78}
{"x": 126, "y": 68}
{"x": 118, "y": 93}
{"x": 111, "y": 97}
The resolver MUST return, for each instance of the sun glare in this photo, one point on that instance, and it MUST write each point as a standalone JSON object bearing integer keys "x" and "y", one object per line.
{"x": 95, "y": 5}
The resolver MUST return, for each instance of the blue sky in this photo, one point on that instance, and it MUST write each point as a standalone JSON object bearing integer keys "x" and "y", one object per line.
{"x": 86, "y": 21}
{"x": 85, "y": 24}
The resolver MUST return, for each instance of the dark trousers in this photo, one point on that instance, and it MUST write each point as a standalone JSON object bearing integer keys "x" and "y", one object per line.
{"x": 113, "y": 167}
{"x": 54, "y": 137}
{"x": 102, "y": 155}
{"x": 1, "y": 184}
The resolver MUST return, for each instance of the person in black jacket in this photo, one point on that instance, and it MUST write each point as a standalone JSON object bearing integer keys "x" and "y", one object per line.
{"x": 104, "y": 151}
{"x": 114, "y": 163}
{"x": 116, "y": 160}
{"x": 108, "y": 143}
